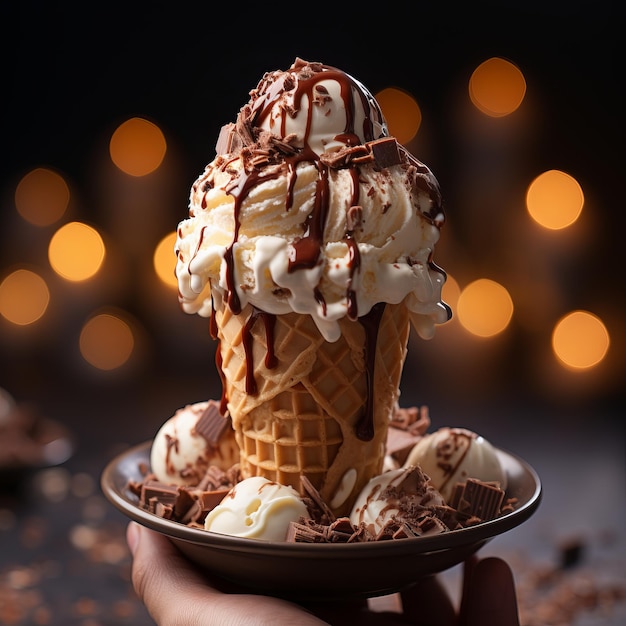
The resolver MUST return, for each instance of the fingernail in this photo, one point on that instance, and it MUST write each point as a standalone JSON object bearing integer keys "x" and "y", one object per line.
{"x": 132, "y": 536}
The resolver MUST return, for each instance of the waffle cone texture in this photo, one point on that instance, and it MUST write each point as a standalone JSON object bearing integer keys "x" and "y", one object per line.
{"x": 302, "y": 419}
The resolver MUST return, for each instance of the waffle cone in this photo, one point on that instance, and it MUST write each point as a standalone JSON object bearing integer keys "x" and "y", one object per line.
{"x": 302, "y": 419}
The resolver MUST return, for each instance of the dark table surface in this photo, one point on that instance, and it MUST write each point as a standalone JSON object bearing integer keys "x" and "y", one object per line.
{"x": 64, "y": 560}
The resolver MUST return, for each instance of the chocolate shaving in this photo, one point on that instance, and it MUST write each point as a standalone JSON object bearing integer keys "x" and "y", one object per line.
{"x": 345, "y": 157}
{"x": 298, "y": 532}
{"x": 354, "y": 217}
{"x": 415, "y": 420}
{"x": 318, "y": 509}
{"x": 388, "y": 531}
{"x": 431, "y": 525}
{"x": 407, "y": 426}
{"x": 404, "y": 532}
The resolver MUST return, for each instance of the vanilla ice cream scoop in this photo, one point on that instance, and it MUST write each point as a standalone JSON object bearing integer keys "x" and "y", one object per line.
{"x": 403, "y": 495}
{"x": 321, "y": 110}
{"x": 194, "y": 438}
{"x": 452, "y": 455}
{"x": 309, "y": 207}
{"x": 257, "y": 508}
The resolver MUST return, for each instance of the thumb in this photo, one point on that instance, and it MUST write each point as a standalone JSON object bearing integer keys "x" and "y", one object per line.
{"x": 162, "y": 578}
{"x": 174, "y": 592}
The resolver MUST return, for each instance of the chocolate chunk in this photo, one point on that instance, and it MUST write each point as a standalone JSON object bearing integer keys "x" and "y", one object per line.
{"x": 165, "y": 511}
{"x": 203, "y": 502}
{"x": 154, "y": 491}
{"x": 341, "y": 530}
{"x": 457, "y": 495}
{"x": 134, "y": 487}
{"x": 184, "y": 501}
{"x": 385, "y": 151}
{"x": 228, "y": 141}
{"x": 211, "y": 424}
{"x": 479, "y": 499}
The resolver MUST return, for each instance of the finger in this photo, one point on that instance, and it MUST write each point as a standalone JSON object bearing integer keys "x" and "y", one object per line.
{"x": 162, "y": 578}
{"x": 490, "y": 596}
{"x": 174, "y": 592}
{"x": 428, "y": 602}
{"x": 468, "y": 571}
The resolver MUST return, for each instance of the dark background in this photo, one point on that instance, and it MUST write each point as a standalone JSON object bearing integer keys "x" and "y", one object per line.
{"x": 71, "y": 73}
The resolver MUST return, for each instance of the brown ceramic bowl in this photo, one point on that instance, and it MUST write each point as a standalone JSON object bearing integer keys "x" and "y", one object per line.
{"x": 316, "y": 572}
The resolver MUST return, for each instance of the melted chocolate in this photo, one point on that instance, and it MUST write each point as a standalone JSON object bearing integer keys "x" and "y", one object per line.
{"x": 269, "y": 322}
{"x": 371, "y": 324}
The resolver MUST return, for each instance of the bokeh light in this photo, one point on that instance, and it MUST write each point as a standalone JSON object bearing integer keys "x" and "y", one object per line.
{"x": 580, "y": 340}
{"x": 24, "y": 297}
{"x": 402, "y": 113}
{"x": 554, "y": 199}
{"x": 497, "y": 87}
{"x": 106, "y": 341}
{"x": 484, "y": 308}
{"x": 164, "y": 260}
{"x": 76, "y": 251}
{"x": 42, "y": 197}
{"x": 137, "y": 147}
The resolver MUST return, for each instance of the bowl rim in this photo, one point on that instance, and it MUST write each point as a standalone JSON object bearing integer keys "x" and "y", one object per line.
{"x": 116, "y": 492}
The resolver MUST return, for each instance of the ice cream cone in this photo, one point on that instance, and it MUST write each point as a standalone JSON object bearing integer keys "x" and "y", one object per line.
{"x": 309, "y": 243}
{"x": 308, "y": 414}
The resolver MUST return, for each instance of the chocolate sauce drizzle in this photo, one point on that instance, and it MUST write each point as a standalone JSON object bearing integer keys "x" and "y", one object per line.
{"x": 447, "y": 448}
{"x": 371, "y": 324}
{"x": 269, "y": 322}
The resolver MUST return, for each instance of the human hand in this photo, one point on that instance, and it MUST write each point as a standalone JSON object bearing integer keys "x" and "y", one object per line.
{"x": 176, "y": 593}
